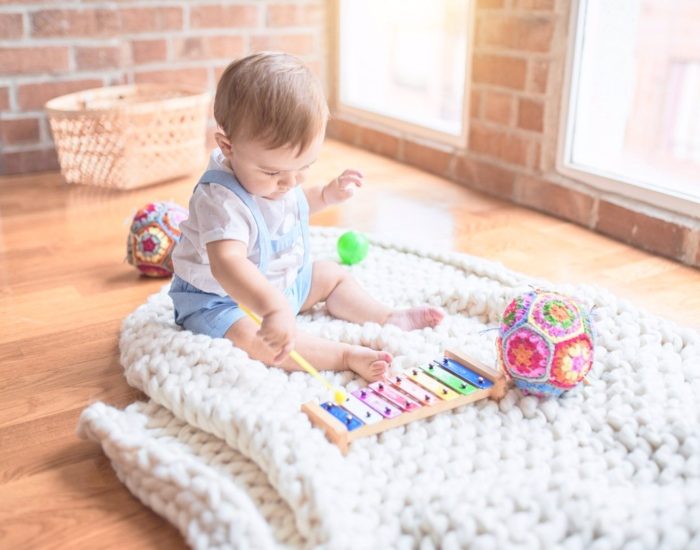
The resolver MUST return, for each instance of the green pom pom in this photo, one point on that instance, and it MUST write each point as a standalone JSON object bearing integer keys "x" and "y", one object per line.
{"x": 352, "y": 247}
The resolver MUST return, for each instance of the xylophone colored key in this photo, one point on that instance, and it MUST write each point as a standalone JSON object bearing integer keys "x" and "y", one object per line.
{"x": 456, "y": 383}
{"x": 391, "y": 394}
{"x": 467, "y": 374}
{"x": 350, "y": 420}
{"x": 382, "y": 406}
{"x": 420, "y": 377}
{"x": 367, "y": 414}
{"x": 419, "y": 393}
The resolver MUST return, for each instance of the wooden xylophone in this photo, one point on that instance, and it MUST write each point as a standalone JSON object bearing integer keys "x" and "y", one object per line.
{"x": 421, "y": 392}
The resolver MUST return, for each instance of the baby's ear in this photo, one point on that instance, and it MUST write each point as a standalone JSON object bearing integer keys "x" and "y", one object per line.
{"x": 223, "y": 142}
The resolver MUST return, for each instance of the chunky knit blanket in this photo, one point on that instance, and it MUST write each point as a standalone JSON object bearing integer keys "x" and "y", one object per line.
{"x": 222, "y": 451}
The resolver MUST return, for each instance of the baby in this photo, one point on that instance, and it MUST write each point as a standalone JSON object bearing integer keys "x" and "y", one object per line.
{"x": 247, "y": 237}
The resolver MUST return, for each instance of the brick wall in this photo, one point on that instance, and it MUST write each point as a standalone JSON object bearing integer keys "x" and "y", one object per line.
{"x": 54, "y": 47}
{"x": 516, "y": 90}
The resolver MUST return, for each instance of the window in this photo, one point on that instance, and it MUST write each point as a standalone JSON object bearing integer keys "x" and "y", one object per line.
{"x": 633, "y": 120}
{"x": 405, "y": 61}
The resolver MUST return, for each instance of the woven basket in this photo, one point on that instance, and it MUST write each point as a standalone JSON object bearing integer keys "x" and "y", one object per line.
{"x": 129, "y": 136}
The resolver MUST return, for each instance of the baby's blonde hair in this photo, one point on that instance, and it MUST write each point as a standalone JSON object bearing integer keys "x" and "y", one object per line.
{"x": 272, "y": 98}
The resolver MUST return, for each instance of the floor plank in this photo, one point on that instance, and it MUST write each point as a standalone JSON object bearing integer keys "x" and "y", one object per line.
{"x": 64, "y": 290}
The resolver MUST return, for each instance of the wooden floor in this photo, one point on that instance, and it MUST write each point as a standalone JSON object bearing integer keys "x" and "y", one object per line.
{"x": 65, "y": 290}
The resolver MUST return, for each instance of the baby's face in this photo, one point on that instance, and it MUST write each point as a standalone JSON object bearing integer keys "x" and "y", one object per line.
{"x": 271, "y": 173}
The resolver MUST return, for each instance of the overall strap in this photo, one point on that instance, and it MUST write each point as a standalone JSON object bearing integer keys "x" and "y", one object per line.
{"x": 304, "y": 221}
{"x": 228, "y": 180}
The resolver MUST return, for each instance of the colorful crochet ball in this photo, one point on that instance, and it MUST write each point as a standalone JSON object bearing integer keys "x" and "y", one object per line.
{"x": 154, "y": 232}
{"x": 545, "y": 343}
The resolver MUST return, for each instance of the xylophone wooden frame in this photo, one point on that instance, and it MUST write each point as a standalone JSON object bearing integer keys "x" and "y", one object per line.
{"x": 338, "y": 433}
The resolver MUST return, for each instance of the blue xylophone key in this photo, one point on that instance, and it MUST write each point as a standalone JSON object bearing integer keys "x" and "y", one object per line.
{"x": 466, "y": 374}
{"x": 350, "y": 421}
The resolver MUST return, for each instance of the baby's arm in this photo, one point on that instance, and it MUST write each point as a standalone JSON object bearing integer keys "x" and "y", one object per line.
{"x": 338, "y": 190}
{"x": 244, "y": 283}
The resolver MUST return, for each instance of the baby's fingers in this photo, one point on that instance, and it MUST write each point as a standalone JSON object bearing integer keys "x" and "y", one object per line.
{"x": 351, "y": 172}
{"x": 346, "y": 181}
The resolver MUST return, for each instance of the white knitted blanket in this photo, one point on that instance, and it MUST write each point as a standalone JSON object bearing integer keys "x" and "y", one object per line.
{"x": 222, "y": 451}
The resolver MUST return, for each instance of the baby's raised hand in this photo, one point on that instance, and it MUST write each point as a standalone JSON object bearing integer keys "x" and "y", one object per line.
{"x": 342, "y": 187}
{"x": 278, "y": 331}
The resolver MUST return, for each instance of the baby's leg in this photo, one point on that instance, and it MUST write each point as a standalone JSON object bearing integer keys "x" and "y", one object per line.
{"x": 321, "y": 353}
{"x": 346, "y": 299}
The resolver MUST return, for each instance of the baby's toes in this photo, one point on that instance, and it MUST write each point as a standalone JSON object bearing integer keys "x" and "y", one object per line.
{"x": 435, "y": 316}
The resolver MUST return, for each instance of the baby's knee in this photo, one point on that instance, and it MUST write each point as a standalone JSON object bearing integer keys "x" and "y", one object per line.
{"x": 332, "y": 272}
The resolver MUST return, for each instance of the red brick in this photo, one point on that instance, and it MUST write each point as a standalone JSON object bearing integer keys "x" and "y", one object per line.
{"x": 475, "y": 104}
{"x": 299, "y": 44}
{"x": 6, "y": 2}
{"x": 33, "y": 96}
{"x": 499, "y": 144}
{"x": 294, "y": 15}
{"x": 4, "y": 99}
{"x": 485, "y": 177}
{"x": 515, "y": 32}
{"x": 498, "y": 107}
{"x": 74, "y": 23}
{"x": 193, "y": 77}
{"x": 554, "y": 199}
{"x": 535, "y": 4}
{"x": 209, "y": 47}
{"x": 654, "y": 234}
{"x": 535, "y": 155}
{"x": 53, "y": 59}
{"x": 88, "y": 58}
{"x": 11, "y": 25}
{"x": 489, "y": 4}
{"x": 148, "y": 51}
{"x": 531, "y": 115}
{"x": 343, "y": 130}
{"x": 218, "y": 71}
{"x": 539, "y": 71}
{"x": 225, "y": 17}
{"x": 21, "y": 162}
{"x": 378, "y": 142}
{"x": 134, "y": 20}
{"x": 504, "y": 71}
{"x": 19, "y": 131}
{"x": 428, "y": 158}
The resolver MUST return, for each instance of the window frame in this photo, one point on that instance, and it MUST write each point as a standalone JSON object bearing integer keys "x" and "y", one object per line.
{"x": 384, "y": 122}
{"x": 601, "y": 179}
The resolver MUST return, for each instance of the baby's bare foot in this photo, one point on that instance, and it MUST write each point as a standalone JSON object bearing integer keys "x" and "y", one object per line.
{"x": 416, "y": 317}
{"x": 368, "y": 363}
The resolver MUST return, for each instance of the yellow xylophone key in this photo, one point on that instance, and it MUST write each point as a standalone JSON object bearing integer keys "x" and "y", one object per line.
{"x": 429, "y": 383}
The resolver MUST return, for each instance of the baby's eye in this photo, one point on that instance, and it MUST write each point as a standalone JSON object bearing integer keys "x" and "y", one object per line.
{"x": 271, "y": 173}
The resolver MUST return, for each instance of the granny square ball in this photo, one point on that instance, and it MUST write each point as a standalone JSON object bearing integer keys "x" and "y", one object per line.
{"x": 546, "y": 342}
{"x": 153, "y": 234}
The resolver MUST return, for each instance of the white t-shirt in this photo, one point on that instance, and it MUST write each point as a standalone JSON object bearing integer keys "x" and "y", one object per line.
{"x": 216, "y": 214}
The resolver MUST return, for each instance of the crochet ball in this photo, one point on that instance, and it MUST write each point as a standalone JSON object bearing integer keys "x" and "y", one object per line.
{"x": 154, "y": 232}
{"x": 352, "y": 247}
{"x": 545, "y": 343}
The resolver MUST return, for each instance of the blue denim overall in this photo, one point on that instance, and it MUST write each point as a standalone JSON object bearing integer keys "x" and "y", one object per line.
{"x": 211, "y": 314}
